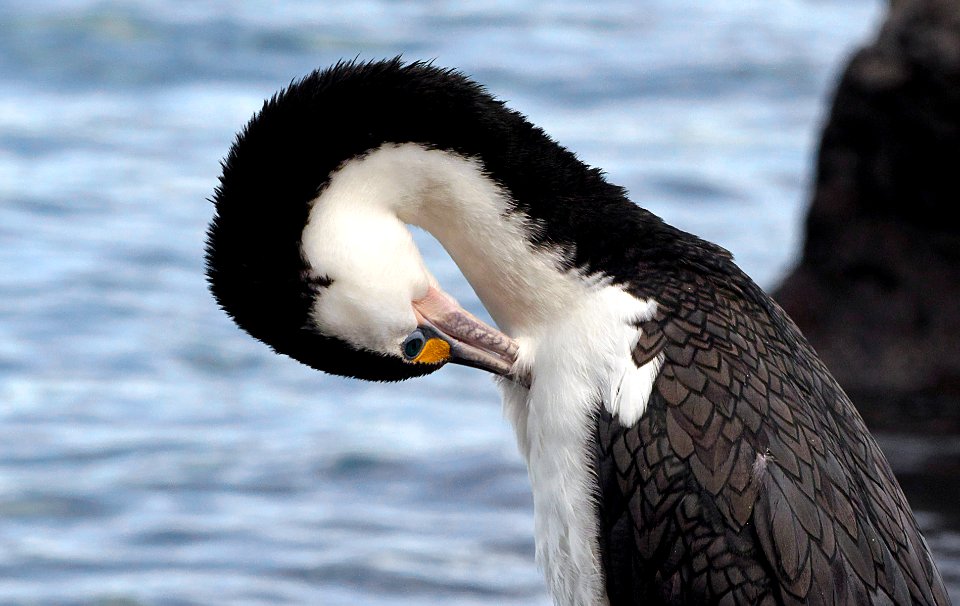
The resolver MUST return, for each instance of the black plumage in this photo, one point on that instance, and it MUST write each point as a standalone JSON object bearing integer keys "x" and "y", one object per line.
{"x": 750, "y": 478}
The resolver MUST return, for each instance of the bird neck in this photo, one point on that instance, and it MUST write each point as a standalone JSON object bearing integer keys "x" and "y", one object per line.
{"x": 574, "y": 329}
{"x": 523, "y": 286}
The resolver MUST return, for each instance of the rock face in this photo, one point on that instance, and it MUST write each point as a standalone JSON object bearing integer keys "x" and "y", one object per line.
{"x": 877, "y": 291}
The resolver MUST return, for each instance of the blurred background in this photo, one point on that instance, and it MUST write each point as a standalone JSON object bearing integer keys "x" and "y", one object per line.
{"x": 151, "y": 453}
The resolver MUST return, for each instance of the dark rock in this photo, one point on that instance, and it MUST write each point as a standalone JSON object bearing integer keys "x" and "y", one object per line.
{"x": 877, "y": 291}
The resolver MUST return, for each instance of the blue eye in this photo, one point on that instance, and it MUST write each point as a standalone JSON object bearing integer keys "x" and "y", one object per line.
{"x": 413, "y": 344}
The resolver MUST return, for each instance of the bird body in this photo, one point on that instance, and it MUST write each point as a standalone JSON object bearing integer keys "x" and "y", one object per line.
{"x": 684, "y": 443}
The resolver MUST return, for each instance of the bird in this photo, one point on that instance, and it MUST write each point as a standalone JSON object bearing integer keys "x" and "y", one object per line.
{"x": 684, "y": 443}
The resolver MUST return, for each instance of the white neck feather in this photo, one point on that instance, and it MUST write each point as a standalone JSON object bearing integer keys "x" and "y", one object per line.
{"x": 575, "y": 333}
{"x": 450, "y": 197}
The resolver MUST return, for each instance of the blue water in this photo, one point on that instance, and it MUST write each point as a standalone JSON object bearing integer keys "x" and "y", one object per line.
{"x": 151, "y": 453}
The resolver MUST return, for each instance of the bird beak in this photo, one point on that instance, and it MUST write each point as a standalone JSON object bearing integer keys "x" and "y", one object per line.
{"x": 472, "y": 342}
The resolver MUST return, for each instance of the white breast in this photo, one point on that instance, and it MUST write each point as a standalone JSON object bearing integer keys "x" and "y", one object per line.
{"x": 575, "y": 364}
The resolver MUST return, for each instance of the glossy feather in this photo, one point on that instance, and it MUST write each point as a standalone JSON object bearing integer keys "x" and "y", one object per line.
{"x": 751, "y": 478}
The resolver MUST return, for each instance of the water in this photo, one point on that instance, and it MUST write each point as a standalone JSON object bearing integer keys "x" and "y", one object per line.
{"x": 151, "y": 453}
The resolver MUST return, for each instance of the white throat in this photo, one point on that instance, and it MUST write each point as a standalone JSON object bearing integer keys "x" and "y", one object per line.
{"x": 575, "y": 334}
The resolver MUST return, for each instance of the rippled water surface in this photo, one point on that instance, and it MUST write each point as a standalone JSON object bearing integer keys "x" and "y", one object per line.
{"x": 151, "y": 453}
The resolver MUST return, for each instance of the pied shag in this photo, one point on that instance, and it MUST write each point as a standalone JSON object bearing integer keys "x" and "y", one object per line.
{"x": 684, "y": 442}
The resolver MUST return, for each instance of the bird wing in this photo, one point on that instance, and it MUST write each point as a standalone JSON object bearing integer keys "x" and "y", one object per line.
{"x": 751, "y": 477}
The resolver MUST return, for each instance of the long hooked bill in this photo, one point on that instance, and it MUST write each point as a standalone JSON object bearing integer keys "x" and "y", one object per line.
{"x": 472, "y": 342}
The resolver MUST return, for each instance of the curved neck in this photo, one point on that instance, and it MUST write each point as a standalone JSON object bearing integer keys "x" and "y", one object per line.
{"x": 521, "y": 285}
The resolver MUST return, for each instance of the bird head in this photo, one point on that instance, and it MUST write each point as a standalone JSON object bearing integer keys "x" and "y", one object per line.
{"x": 376, "y": 294}
{"x": 314, "y": 258}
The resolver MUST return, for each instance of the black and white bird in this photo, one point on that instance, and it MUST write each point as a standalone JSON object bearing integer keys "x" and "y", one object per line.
{"x": 684, "y": 443}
